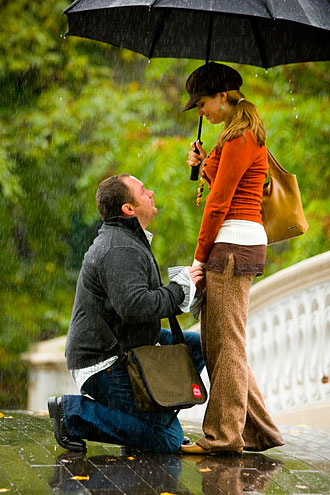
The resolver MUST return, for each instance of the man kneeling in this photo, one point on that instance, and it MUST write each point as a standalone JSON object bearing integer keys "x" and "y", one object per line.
{"x": 119, "y": 287}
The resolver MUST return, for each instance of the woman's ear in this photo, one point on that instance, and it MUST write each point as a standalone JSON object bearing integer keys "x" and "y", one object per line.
{"x": 128, "y": 210}
{"x": 223, "y": 96}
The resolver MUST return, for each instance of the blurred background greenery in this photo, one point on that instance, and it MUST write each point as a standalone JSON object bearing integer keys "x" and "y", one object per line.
{"x": 73, "y": 112}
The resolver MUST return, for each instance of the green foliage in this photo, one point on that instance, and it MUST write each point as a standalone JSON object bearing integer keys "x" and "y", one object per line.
{"x": 74, "y": 111}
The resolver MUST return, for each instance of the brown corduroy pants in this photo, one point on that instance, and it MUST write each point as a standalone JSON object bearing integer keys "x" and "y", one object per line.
{"x": 236, "y": 415}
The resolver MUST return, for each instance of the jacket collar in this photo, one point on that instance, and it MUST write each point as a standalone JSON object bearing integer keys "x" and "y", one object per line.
{"x": 130, "y": 224}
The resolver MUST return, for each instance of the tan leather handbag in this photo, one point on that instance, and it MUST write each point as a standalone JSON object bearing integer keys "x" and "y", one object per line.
{"x": 282, "y": 212}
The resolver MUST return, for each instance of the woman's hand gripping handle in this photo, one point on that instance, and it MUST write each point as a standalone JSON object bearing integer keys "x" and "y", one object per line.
{"x": 195, "y": 158}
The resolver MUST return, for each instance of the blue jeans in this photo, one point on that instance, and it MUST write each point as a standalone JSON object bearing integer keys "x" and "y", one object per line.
{"x": 113, "y": 416}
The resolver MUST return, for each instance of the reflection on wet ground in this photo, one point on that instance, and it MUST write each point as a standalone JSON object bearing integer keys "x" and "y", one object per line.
{"x": 138, "y": 473}
{"x": 31, "y": 463}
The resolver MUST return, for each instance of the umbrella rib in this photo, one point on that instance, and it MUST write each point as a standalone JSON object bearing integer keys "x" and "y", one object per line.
{"x": 209, "y": 39}
{"x": 159, "y": 29}
{"x": 260, "y": 47}
{"x": 270, "y": 8}
{"x": 307, "y": 10}
{"x": 67, "y": 10}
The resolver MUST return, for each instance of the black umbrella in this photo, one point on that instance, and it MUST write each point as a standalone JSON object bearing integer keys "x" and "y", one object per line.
{"x": 264, "y": 33}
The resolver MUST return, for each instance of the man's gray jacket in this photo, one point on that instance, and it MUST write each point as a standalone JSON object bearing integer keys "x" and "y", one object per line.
{"x": 120, "y": 287}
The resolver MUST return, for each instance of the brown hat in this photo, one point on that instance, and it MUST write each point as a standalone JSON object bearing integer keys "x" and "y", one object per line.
{"x": 209, "y": 79}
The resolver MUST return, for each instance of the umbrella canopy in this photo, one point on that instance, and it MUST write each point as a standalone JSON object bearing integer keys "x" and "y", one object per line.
{"x": 264, "y": 33}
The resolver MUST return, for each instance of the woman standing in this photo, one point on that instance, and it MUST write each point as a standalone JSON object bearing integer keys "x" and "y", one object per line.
{"x": 232, "y": 248}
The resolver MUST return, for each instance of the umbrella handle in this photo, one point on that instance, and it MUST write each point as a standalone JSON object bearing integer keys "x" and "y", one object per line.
{"x": 195, "y": 169}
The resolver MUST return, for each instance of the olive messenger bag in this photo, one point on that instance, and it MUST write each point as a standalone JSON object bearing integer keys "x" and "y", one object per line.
{"x": 163, "y": 377}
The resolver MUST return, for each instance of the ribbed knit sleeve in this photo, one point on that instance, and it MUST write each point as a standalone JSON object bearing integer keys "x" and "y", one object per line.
{"x": 237, "y": 156}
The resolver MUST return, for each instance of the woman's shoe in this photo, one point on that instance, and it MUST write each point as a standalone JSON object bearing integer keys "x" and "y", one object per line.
{"x": 196, "y": 449}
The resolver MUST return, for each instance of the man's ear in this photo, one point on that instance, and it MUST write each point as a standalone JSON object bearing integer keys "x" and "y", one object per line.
{"x": 128, "y": 210}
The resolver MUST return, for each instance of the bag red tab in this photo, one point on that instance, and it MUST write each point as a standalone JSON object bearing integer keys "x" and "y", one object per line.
{"x": 196, "y": 390}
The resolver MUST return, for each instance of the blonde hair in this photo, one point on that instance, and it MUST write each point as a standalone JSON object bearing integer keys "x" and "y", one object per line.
{"x": 244, "y": 116}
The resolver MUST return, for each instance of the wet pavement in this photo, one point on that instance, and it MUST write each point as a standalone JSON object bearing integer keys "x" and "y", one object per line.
{"x": 31, "y": 463}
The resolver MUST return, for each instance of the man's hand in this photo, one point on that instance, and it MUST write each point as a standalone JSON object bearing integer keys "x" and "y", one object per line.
{"x": 196, "y": 274}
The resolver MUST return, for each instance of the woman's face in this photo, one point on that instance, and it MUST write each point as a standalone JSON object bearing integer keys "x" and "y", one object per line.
{"x": 211, "y": 108}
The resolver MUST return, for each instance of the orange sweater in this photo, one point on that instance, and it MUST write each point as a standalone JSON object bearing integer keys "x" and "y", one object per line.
{"x": 235, "y": 174}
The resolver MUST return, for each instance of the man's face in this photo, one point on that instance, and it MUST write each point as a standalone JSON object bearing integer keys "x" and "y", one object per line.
{"x": 145, "y": 208}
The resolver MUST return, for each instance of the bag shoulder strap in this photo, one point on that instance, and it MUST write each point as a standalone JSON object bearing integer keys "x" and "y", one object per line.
{"x": 178, "y": 337}
{"x": 275, "y": 168}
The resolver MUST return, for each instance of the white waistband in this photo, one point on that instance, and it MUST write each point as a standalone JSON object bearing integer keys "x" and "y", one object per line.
{"x": 243, "y": 232}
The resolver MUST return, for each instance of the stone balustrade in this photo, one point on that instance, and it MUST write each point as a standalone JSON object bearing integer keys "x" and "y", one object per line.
{"x": 289, "y": 337}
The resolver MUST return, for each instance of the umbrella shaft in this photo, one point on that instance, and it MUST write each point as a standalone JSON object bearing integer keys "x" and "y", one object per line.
{"x": 195, "y": 170}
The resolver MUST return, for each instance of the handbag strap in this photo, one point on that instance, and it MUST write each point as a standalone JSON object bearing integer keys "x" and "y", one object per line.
{"x": 275, "y": 169}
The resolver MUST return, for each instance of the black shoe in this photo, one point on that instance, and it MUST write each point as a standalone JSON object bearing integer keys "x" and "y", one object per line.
{"x": 60, "y": 433}
{"x": 186, "y": 441}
